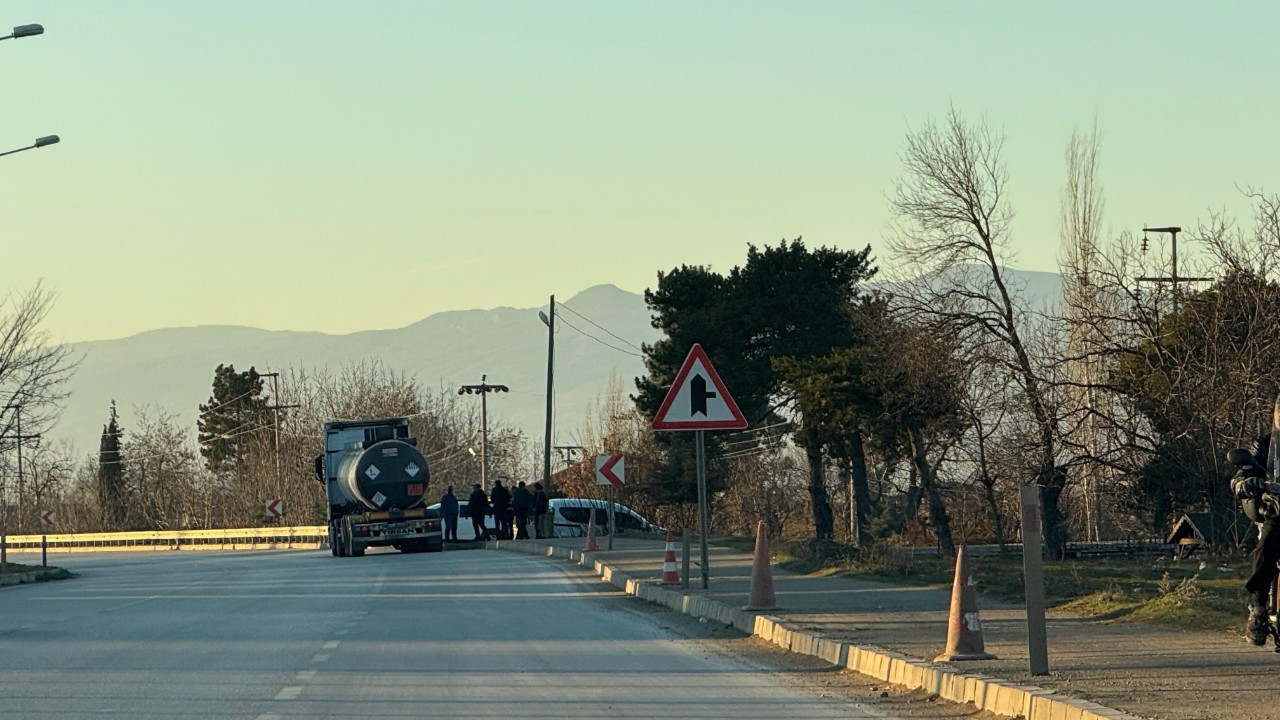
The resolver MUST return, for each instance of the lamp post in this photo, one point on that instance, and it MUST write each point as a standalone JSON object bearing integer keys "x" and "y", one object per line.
{"x": 22, "y": 31}
{"x": 483, "y": 389}
{"x": 1173, "y": 278}
{"x": 39, "y": 143}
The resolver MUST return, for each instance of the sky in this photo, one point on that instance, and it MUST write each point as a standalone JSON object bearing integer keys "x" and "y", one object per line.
{"x": 341, "y": 166}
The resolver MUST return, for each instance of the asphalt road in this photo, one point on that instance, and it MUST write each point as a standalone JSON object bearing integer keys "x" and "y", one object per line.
{"x": 475, "y": 634}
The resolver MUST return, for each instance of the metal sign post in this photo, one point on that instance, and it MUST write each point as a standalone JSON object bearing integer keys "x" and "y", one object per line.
{"x": 1033, "y": 577}
{"x": 704, "y": 523}
{"x": 698, "y": 400}
{"x": 612, "y": 525}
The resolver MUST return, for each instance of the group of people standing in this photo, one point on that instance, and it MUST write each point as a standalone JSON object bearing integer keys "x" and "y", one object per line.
{"x": 511, "y": 511}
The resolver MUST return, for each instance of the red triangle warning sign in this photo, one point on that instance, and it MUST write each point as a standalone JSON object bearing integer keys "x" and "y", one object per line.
{"x": 698, "y": 399}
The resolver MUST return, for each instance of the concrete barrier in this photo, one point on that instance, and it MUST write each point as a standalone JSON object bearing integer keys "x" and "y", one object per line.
{"x": 985, "y": 693}
{"x": 26, "y": 577}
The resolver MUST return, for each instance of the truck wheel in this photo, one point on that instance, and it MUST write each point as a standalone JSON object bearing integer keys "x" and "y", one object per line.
{"x": 339, "y": 539}
{"x": 435, "y": 546}
{"x": 334, "y": 544}
{"x": 348, "y": 543}
{"x": 357, "y": 549}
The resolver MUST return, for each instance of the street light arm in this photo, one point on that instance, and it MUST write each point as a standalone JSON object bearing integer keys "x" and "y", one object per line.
{"x": 39, "y": 143}
{"x": 22, "y": 31}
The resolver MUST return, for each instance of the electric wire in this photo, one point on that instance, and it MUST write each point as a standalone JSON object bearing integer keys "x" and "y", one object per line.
{"x": 593, "y": 322}
{"x": 593, "y": 337}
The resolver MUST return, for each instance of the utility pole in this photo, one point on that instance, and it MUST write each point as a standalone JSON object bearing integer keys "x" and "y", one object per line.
{"x": 1173, "y": 278}
{"x": 484, "y": 388}
{"x": 550, "y": 321}
{"x": 20, "y": 438}
{"x": 567, "y": 451}
{"x": 275, "y": 408}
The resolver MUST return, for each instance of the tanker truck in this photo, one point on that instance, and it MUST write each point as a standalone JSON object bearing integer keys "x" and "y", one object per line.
{"x": 376, "y": 479}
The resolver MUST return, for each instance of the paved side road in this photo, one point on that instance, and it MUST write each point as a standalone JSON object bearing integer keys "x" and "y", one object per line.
{"x": 301, "y": 634}
{"x": 1152, "y": 671}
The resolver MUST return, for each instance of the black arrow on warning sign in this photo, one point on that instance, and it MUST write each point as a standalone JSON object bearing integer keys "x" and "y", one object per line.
{"x": 698, "y": 395}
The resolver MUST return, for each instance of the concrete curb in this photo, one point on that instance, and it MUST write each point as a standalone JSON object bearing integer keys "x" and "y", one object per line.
{"x": 986, "y": 693}
{"x": 24, "y": 578}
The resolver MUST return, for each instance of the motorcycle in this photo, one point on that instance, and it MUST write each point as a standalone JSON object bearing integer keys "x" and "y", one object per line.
{"x": 1260, "y": 487}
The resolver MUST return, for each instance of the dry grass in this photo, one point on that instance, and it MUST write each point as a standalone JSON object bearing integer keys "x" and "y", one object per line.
{"x": 1206, "y": 594}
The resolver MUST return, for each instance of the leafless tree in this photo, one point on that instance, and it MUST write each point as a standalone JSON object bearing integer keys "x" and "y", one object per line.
{"x": 953, "y": 225}
{"x": 34, "y": 371}
{"x": 1081, "y": 220}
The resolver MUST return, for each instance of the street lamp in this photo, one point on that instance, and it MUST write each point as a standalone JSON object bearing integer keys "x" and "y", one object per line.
{"x": 483, "y": 389}
{"x": 39, "y": 143}
{"x": 25, "y": 31}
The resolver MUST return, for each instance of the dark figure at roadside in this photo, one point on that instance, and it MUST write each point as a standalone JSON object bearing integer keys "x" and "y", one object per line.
{"x": 540, "y": 506}
{"x": 522, "y": 505}
{"x": 478, "y": 507}
{"x": 1249, "y": 487}
{"x": 449, "y": 511}
{"x": 500, "y": 498}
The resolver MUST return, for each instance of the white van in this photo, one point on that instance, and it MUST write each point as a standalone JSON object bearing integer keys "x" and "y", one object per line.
{"x": 570, "y": 516}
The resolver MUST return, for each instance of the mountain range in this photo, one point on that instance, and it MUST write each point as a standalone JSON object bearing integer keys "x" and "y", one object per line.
{"x": 599, "y": 333}
{"x": 172, "y": 368}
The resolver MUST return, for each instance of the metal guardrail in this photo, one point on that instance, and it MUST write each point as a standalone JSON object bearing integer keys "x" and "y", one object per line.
{"x": 1073, "y": 549}
{"x": 175, "y": 539}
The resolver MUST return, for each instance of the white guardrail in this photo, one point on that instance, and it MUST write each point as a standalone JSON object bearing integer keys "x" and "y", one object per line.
{"x": 301, "y": 536}
{"x": 1073, "y": 550}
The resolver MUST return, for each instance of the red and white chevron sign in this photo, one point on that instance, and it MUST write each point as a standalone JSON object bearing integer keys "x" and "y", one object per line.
{"x": 48, "y": 517}
{"x": 610, "y": 469}
{"x": 275, "y": 508}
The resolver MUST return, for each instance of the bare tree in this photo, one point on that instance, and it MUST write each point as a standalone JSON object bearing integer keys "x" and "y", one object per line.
{"x": 1081, "y": 221}
{"x": 953, "y": 226}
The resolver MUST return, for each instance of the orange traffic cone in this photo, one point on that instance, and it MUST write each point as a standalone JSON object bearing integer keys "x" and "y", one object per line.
{"x": 762, "y": 574}
{"x": 669, "y": 574}
{"x": 591, "y": 545}
{"x": 964, "y": 629}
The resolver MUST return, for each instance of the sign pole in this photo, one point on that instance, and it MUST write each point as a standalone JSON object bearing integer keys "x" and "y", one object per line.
{"x": 612, "y": 526}
{"x": 1033, "y": 578}
{"x": 703, "y": 521}
{"x": 684, "y": 557}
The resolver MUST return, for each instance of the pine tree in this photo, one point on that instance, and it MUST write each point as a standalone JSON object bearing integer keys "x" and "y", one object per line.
{"x": 228, "y": 422}
{"x": 111, "y": 472}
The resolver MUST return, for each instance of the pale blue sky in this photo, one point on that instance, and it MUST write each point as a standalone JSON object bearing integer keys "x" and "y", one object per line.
{"x": 339, "y": 166}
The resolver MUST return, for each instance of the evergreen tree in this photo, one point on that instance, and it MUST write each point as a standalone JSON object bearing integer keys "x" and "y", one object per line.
{"x": 111, "y": 473}
{"x": 785, "y": 302}
{"x": 228, "y": 422}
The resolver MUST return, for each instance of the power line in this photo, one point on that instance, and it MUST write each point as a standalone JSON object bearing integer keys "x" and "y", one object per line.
{"x": 593, "y": 337}
{"x": 584, "y": 317}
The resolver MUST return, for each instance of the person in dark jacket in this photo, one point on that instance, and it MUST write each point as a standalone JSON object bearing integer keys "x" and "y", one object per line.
{"x": 500, "y": 499}
{"x": 540, "y": 507}
{"x": 1263, "y": 508}
{"x": 478, "y": 507}
{"x": 522, "y": 504}
{"x": 449, "y": 511}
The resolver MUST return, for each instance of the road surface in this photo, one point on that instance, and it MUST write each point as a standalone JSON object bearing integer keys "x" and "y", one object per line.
{"x": 265, "y": 635}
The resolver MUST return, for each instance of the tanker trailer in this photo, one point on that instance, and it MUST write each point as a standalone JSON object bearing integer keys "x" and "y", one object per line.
{"x": 376, "y": 480}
